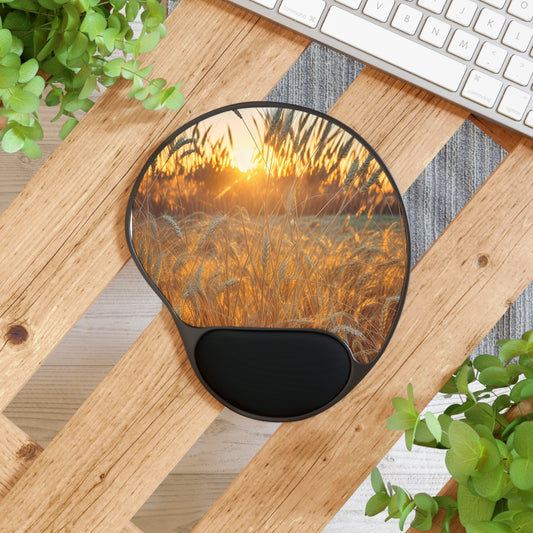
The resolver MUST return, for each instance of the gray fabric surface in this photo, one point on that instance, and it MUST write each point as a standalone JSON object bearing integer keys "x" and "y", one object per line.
{"x": 317, "y": 80}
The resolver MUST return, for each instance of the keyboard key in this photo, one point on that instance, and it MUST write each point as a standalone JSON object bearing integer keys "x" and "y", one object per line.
{"x": 354, "y": 4}
{"x": 529, "y": 119}
{"x": 393, "y": 48}
{"x": 481, "y": 88}
{"x": 495, "y": 3}
{"x": 433, "y": 5}
{"x": 407, "y": 19}
{"x": 435, "y": 32}
{"x": 489, "y": 23}
{"x": 462, "y": 11}
{"x": 519, "y": 70}
{"x": 378, "y": 9}
{"x": 523, "y": 9}
{"x": 514, "y": 103}
{"x": 491, "y": 57}
{"x": 266, "y": 3}
{"x": 518, "y": 36}
{"x": 305, "y": 11}
{"x": 463, "y": 44}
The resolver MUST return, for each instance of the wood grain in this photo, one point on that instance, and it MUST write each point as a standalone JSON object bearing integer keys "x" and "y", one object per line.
{"x": 17, "y": 453}
{"x": 147, "y": 411}
{"x": 63, "y": 236}
{"x": 459, "y": 289}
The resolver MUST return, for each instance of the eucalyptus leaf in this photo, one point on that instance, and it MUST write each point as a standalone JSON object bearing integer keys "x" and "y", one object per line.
{"x": 512, "y": 349}
{"x": 8, "y": 77}
{"x": 377, "y": 503}
{"x": 31, "y": 149}
{"x": 24, "y": 101}
{"x": 6, "y": 40}
{"x": 472, "y": 508}
{"x": 521, "y": 473}
{"x": 28, "y": 70}
{"x": 67, "y": 127}
{"x": 486, "y": 361}
{"x": 523, "y": 439}
{"x": 433, "y": 425}
{"x": 12, "y": 140}
{"x": 494, "y": 377}
{"x": 377, "y": 481}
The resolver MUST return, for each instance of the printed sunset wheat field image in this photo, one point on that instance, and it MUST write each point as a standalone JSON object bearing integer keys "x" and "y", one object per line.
{"x": 273, "y": 217}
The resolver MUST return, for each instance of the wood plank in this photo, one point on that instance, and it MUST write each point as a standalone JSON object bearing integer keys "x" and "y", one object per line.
{"x": 406, "y": 126}
{"x": 69, "y": 220}
{"x": 459, "y": 289}
{"x": 147, "y": 411}
{"x": 17, "y": 453}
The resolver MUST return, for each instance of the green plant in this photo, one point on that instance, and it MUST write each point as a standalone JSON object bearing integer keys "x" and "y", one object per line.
{"x": 488, "y": 435}
{"x": 61, "y": 50}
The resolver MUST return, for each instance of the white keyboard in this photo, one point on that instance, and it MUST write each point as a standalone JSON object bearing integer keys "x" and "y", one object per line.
{"x": 478, "y": 54}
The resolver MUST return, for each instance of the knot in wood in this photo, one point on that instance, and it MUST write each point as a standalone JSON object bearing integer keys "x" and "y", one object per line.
{"x": 17, "y": 334}
{"x": 28, "y": 451}
{"x": 482, "y": 261}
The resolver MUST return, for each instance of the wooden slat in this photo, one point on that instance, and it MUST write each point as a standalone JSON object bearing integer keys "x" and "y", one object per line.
{"x": 147, "y": 411}
{"x": 418, "y": 110}
{"x": 458, "y": 290}
{"x": 406, "y": 126}
{"x": 17, "y": 454}
{"x": 63, "y": 236}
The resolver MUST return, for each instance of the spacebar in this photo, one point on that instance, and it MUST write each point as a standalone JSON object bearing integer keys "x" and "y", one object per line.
{"x": 393, "y": 48}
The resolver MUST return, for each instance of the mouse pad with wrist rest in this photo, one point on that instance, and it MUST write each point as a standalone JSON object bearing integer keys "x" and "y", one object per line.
{"x": 278, "y": 240}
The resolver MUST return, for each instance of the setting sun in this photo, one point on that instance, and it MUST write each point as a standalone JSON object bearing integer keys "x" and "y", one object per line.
{"x": 243, "y": 157}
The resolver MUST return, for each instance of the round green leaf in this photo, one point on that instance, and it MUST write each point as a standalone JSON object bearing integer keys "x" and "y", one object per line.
{"x": 8, "y": 77}
{"x": 148, "y": 42}
{"x": 88, "y": 88}
{"x": 494, "y": 377}
{"x": 175, "y": 100}
{"x": 512, "y": 349}
{"x": 489, "y": 484}
{"x": 501, "y": 402}
{"x": 113, "y": 68}
{"x": 405, "y": 513}
{"x": 523, "y": 439}
{"x": 35, "y": 86}
{"x": 524, "y": 521}
{"x": 28, "y": 70}
{"x": 490, "y": 455}
{"x": 31, "y": 149}
{"x": 94, "y": 24}
{"x": 6, "y": 40}
{"x": 481, "y": 413}
{"x": 377, "y": 481}
{"x": 433, "y": 425}
{"x": 67, "y": 127}
{"x": 377, "y": 503}
{"x": 486, "y": 361}
{"x": 401, "y": 421}
{"x": 24, "y": 101}
{"x": 472, "y": 508}
{"x": 521, "y": 472}
{"x": 12, "y": 141}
